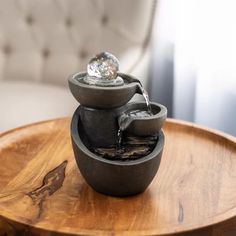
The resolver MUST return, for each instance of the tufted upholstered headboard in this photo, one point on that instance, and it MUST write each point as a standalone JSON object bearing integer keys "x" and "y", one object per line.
{"x": 46, "y": 40}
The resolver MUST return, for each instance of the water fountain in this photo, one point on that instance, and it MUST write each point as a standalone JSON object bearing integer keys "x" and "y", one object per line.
{"x": 117, "y": 145}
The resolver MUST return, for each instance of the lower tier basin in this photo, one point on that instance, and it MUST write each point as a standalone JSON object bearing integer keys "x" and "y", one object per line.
{"x": 118, "y": 178}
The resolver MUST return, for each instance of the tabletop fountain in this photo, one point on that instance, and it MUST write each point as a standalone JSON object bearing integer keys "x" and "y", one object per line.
{"x": 117, "y": 145}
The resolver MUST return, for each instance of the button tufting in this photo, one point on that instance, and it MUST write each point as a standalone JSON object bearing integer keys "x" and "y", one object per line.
{"x": 46, "y": 52}
{"x": 104, "y": 19}
{"x": 83, "y": 54}
{"x": 68, "y": 22}
{"x": 29, "y": 19}
{"x": 7, "y": 49}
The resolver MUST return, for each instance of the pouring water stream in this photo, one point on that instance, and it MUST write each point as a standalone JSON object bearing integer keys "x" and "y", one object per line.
{"x": 136, "y": 113}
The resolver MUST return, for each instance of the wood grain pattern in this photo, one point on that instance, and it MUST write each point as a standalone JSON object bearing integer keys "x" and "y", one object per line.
{"x": 43, "y": 193}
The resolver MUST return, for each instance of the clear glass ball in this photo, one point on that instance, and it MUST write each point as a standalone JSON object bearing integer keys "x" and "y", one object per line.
{"x": 103, "y": 66}
{"x": 102, "y": 71}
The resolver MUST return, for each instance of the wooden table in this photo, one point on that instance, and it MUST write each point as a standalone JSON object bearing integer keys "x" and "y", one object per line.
{"x": 43, "y": 193}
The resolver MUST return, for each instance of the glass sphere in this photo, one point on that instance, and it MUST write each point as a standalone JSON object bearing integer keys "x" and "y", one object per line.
{"x": 102, "y": 71}
{"x": 103, "y": 66}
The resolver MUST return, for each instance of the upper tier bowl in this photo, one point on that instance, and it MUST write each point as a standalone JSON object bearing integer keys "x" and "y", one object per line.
{"x": 103, "y": 97}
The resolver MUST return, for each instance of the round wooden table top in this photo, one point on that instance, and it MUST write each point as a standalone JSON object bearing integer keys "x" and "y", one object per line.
{"x": 41, "y": 187}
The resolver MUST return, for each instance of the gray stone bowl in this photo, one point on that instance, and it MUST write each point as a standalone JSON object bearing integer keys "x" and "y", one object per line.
{"x": 114, "y": 177}
{"x": 143, "y": 126}
{"x": 103, "y": 97}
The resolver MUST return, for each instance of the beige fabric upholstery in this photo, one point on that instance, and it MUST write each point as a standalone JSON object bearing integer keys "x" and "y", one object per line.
{"x": 26, "y": 103}
{"x": 46, "y": 40}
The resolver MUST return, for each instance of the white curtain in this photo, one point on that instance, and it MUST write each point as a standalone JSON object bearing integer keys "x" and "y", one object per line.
{"x": 194, "y": 61}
